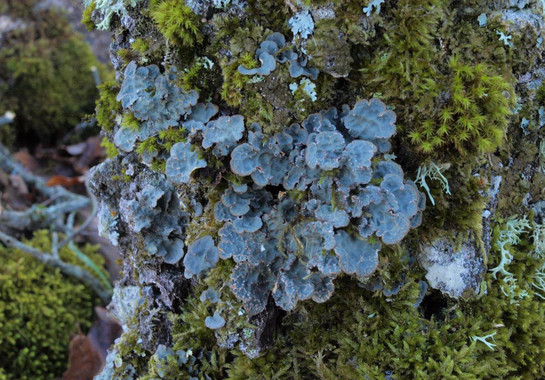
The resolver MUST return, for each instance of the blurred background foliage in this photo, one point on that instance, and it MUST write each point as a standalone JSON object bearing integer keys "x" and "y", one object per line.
{"x": 46, "y": 74}
{"x": 48, "y": 79}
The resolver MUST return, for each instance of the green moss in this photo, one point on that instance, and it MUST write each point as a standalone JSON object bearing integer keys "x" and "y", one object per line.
{"x": 130, "y": 121}
{"x": 86, "y": 18}
{"x": 127, "y": 55}
{"x": 363, "y": 334}
{"x": 158, "y": 147}
{"x": 360, "y": 335}
{"x": 177, "y": 23}
{"x": 233, "y": 81}
{"x": 40, "y": 307}
{"x": 129, "y": 346}
{"x": 148, "y": 146}
{"x": 475, "y": 116}
{"x": 48, "y": 71}
{"x": 111, "y": 150}
{"x": 202, "y": 75}
{"x": 107, "y": 107}
{"x": 159, "y": 166}
{"x": 192, "y": 78}
{"x": 171, "y": 136}
{"x": 404, "y": 64}
{"x": 140, "y": 45}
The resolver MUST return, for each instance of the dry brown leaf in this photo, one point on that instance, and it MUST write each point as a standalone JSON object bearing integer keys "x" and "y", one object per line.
{"x": 65, "y": 181}
{"x": 27, "y": 160}
{"x": 88, "y": 352}
{"x": 85, "y": 361}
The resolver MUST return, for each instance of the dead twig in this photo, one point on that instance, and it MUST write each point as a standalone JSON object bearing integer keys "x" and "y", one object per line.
{"x": 96, "y": 285}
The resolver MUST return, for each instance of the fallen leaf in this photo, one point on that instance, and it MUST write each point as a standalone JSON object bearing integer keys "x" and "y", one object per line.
{"x": 88, "y": 352}
{"x": 27, "y": 160}
{"x": 85, "y": 361}
{"x": 65, "y": 181}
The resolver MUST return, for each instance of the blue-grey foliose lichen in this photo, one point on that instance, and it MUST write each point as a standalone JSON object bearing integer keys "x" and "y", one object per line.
{"x": 154, "y": 100}
{"x": 353, "y": 202}
{"x": 274, "y": 50}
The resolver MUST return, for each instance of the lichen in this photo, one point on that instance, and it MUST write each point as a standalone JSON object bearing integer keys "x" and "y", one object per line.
{"x": 293, "y": 202}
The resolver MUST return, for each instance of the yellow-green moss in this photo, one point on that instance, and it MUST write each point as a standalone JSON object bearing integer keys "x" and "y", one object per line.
{"x": 107, "y": 107}
{"x": 177, "y": 22}
{"x": 86, "y": 16}
{"x": 140, "y": 45}
{"x": 50, "y": 83}
{"x": 111, "y": 150}
{"x": 39, "y": 307}
{"x": 475, "y": 116}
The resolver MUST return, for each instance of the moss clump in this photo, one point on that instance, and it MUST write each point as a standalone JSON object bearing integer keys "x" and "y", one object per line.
{"x": 50, "y": 86}
{"x": 359, "y": 333}
{"x": 107, "y": 106}
{"x": 86, "y": 18}
{"x": 140, "y": 45}
{"x": 234, "y": 81}
{"x": 474, "y": 116}
{"x": 39, "y": 308}
{"x": 111, "y": 150}
{"x": 177, "y": 23}
{"x": 127, "y": 55}
{"x": 155, "y": 149}
{"x": 403, "y": 64}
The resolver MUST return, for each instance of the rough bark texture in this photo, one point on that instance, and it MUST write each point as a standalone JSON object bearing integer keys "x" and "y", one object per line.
{"x": 264, "y": 208}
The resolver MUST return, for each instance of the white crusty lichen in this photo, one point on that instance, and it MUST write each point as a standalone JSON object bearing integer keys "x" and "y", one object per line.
{"x": 107, "y": 8}
{"x": 455, "y": 271}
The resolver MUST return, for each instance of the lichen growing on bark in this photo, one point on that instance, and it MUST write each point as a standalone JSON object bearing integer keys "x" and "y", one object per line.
{"x": 281, "y": 189}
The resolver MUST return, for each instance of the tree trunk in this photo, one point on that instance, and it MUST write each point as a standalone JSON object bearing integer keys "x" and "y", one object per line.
{"x": 262, "y": 200}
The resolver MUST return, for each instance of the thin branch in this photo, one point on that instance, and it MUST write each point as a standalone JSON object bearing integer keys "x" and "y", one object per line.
{"x": 82, "y": 256}
{"x": 55, "y": 244}
{"x": 38, "y": 216}
{"x": 87, "y": 222}
{"x": 68, "y": 269}
{"x": 11, "y": 166}
{"x": 91, "y": 264}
